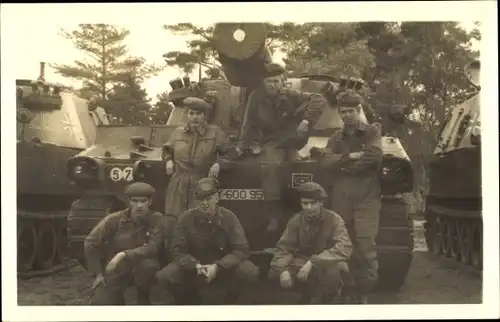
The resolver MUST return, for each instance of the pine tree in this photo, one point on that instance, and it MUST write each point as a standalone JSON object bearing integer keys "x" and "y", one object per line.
{"x": 107, "y": 61}
{"x": 128, "y": 103}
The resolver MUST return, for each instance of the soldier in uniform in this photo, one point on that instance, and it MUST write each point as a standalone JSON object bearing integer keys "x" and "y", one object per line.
{"x": 127, "y": 242}
{"x": 353, "y": 155}
{"x": 208, "y": 245}
{"x": 278, "y": 119}
{"x": 313, "y": 249}
{"x": 192, "y": 152}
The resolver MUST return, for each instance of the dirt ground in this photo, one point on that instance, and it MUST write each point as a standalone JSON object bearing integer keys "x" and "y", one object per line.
{"x": 429, "y": 281}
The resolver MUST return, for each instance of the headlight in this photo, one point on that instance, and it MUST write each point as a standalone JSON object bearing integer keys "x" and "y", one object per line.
{"x": 83, "y": 169}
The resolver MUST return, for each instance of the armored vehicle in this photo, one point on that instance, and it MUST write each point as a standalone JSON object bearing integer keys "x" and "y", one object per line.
{"x": 124, "y": 154}
{"x": 52, "y": 125}
{"x": 453, "y": 210}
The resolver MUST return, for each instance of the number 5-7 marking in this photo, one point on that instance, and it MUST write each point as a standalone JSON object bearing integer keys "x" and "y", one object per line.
{"x": 118, "y": 174}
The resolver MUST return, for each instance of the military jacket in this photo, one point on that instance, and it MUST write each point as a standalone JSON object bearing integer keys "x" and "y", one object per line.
{"x": 318, "y": 238}
{"x": 117, "y": 232}
{"x": 208, "y": 239}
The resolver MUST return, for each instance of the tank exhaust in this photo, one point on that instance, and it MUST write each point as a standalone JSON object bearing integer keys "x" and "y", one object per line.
{"x": 42, "y": 72}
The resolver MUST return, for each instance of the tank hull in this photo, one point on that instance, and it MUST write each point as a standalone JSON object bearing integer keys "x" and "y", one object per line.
{"x": 453, "y": 212}
{"x": 44, "y": 195}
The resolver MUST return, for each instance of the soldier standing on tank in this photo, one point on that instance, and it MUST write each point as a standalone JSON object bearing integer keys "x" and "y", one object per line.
{"x": 128, "y": 242}
{"x": 313, "y": 249}
{"x": 208, "y": 245}
{"x": 279, "y": 119}
{"x": 353, "y": 156}
{"x": 192, "y": 153}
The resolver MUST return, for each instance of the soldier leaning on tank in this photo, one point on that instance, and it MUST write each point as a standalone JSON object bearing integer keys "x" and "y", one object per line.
{"x": 313, "y": 250}
{"x": 128, "y": 241}
{"x": 353, "y": 155}
{"x": 208, "y": 245}
{"x": 280, "y": 119}
{"x": 192, "y": 152}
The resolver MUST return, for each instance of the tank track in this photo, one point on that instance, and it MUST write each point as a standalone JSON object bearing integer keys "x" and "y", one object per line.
{"x": 394, "y": 243}
{"x": 455, "y": 235}
{"x": 41, "y": 240}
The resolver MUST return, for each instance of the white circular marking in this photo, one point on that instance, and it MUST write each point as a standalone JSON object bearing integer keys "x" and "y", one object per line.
{"x": 239, "y": 35}
{"x": 116, "y": 174}
{"x": 127, "y": 174}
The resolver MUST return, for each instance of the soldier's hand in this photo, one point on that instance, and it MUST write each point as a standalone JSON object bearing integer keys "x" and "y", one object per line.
{"x": 286, "y": 279}
{"x": 355, "y": 155}
{"x": 302, "y": 128}
{"x": 201, "y": 270}
{"x": 214, "y": 170}
{"x": 169, "y": 167}
{"x": 304, "y": 271}
{"x": 211, "y": 272}
{"x": 114, "y": 262}
{"x": 99, "y": 279}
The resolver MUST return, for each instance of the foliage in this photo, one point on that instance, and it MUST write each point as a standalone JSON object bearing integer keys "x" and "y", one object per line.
{"x": 128, "y": 102}
{"x": 161, "y": 110}
{"x": 106, "y": 64}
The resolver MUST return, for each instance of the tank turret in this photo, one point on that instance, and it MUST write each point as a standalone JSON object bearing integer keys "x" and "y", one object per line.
{"x": 53, "y": 124}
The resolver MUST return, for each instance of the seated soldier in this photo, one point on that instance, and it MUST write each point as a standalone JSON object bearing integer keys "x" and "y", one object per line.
{"x": 279, "y": 119}
{"x": 313, "y": 250}
{"x": 128, "y": 242}
{"x": 208, "y": 245}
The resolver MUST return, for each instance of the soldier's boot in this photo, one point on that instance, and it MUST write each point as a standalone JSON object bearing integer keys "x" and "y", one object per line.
{"x": 143, "y": 296}
{"x": 362, "y": 299}
{"x": 188, "y": 297}
{"x": 304, "y": 299}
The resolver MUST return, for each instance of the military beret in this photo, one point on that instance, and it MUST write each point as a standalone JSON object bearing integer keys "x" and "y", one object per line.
{"x": 139, "y": 189}
{"x": 206, "y": 187}
{"x": 197, "y": 104}
{"x": 312, "y": 190}
{"x": 349, "y": 99}
{"x": 273, "y": 69}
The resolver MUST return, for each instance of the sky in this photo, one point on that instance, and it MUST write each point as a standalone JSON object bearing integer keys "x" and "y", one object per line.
{"x": 147, "y": 39}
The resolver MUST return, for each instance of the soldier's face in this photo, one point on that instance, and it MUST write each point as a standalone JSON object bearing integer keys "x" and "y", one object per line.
{"x": 273, "y": 85}
{"x": 139, "y": 206}
{"x": 311, "y": 206}
{"x": 194, "y": 117}
{"x": 209, "y": 203}
{"x": 350, "y": 115}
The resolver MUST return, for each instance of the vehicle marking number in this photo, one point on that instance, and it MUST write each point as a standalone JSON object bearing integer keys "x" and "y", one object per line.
{"x": 117, "y": 174}
{"x": 299, "y": 178}
{"x": 241, "y": 194}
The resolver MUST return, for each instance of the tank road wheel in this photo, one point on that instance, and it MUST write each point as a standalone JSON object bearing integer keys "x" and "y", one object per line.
{"x": 48, "y": 243}
{"x": 465, "y": 241}
{"x": 437, "y": 238}
{"x": 62, "y": 243}
{"x": 476, "y": 255}
{"x": 451, "y": 238}
{"x": 26, "y": 246}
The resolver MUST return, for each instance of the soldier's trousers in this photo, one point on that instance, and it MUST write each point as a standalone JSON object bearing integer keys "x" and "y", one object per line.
{"x": 323, "y": 282}
{"x": 140, "y": 274}
{"x": 184, "y": 285}
{"x": 361, "y": 218}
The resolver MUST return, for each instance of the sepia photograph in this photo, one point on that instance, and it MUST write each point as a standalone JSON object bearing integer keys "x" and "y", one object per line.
{"x": 167, "y": 160}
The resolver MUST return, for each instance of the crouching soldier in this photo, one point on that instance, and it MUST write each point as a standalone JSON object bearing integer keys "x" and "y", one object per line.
{"x": 127, "y": 243}
{"x": 208, "y": 245}
{"x": 313, "y": 250}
